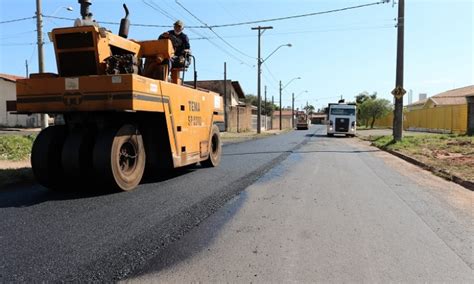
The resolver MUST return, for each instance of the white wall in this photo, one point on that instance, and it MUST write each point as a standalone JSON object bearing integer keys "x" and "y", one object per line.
{"x": 8, "y": 93}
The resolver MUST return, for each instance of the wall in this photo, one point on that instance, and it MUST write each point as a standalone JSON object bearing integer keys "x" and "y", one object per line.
{"x": 8, "y": 93}
{"x": 285, "y": 121}
{"x": 248, "y": 121}
{"x": 239, "y": 119}
{"x": 218, "y": 87}
{"x": 440, "y": 119}
{"x": 443, "y": 119}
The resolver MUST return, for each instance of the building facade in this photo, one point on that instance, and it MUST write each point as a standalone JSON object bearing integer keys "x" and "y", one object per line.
{"x": 8, "y": 93}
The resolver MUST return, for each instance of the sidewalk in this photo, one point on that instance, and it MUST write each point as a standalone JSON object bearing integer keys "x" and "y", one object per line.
{"x": 18, "y": 131}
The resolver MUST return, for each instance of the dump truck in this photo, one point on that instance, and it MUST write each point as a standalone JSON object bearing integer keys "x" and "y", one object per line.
{"x": 123, "y": 115}
{"x": 302, "y": 121}
{"x": 342, "y": 119}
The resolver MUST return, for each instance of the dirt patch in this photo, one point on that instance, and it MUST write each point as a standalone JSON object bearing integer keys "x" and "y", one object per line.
{"x": 441, "y": 154}
{"x": 451, "y": 156}
{"x": 5, "y": 164}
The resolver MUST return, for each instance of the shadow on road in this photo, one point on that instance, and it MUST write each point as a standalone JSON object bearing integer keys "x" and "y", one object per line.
{"x": 24, "y": 196}
{"x": 337, "y": 136}
{"x": 29, "y": 195}
{"x": 191, "y": 243}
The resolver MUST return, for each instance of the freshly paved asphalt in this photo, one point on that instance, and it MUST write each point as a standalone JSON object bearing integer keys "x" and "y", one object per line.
{"x": 293, "y": 207}
{"x": 47, "y": 236}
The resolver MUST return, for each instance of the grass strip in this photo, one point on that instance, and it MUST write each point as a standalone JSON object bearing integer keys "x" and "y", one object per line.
{"x": 16, "y": 147}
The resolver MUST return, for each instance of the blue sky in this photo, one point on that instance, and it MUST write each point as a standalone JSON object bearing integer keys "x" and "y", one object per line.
{"x": 336, "y": 54}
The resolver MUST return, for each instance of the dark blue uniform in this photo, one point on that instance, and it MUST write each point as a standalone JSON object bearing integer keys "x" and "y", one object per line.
{"x": 180, "y": 43}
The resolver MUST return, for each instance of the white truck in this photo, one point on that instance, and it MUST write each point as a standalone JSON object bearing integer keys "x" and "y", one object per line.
{"x": 341, "y": 119}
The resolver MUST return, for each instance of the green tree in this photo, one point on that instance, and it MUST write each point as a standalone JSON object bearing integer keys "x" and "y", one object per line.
{"x": 362, "y": 117}
{"x": 309, "y": 109}
{"x": 267, "y": 109}
{"x": 373, "y": 109}
{"x": 251, "y": 100}
{"x": 362, "y": 97}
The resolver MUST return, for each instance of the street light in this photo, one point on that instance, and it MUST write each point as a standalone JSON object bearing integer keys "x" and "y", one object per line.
{"x": 293, "y": 97}
{"x": 259, "y": 73}
{"x": 288, "y": 44}
{"x": 69, "y": 8}
{"x": 281, "y": 89}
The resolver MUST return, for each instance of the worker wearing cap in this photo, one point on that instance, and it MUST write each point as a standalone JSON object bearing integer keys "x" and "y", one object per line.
{"x": 180, "y": 44}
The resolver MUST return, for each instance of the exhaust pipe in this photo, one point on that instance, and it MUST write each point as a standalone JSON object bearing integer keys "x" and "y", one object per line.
{"x": 85, "y": 13}
{"x": 124, "y": 24}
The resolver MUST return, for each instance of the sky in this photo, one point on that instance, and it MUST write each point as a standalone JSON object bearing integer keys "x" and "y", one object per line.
{"x": 337, "y": 54}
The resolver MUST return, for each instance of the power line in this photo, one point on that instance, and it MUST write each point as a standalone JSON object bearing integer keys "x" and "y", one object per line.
{"x": 206, "y": 26}
{"x": 16, "y": 35}
{"x": 20, "y": 43}
{"x": 227, "y": 43}
{"x": 300, "y": 16}
{"x": 223, "y": 50}
{"x": 271, "y": 74}
{"x": 308, "y": 31}
{"x": 217, "y": 46}
{"x": 17, "y": 20}
{"x": 17, "y": 44}
{"x": 109, "y": 23}
{"x": 158, "y": 9}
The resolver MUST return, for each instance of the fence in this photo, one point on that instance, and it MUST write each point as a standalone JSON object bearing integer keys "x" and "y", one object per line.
{"x": 444, "y": 119}
{"x": 239, "y": 119}
{"x": 441, "y": 119}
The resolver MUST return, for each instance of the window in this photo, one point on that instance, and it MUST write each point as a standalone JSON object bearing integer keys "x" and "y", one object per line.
{"x": 342, "y": 111}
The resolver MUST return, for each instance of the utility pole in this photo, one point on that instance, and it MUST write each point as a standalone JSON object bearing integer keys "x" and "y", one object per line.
{"x": 280, "y": 104}
{"x": 271, "y": 121}
{"x": 39, "y": 29}
{"x": 265, "y": 107}
{"x": 292, "y": 110}
{"x": 26, "y": 66}
{"x": 261, "y": 30}
{"x": 225, "y": 98}
{"x": 398, "y": 92}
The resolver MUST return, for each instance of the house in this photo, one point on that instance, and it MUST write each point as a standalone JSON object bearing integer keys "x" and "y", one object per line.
{"x": 416, "y": 105}
{"x": 448, "y": 98}
{"x": 447, "y": 112}
{"x": 8, "y": 93}
{"x": 286, "y": 115}
{"x": 239, "y": 116}
{"x": 233, "y": 88}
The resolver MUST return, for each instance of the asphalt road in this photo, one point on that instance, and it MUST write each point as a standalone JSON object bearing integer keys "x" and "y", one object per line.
{"x": 47, "y": 236}
{"x": 292, "y": 207}
{"x": 335, "y": 210}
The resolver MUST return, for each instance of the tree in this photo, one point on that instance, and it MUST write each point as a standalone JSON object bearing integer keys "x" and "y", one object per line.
{"x": 362, "y": 97}
{"x": 372, "y": 109}
{"x": 251, "y": 100}
{"x": 267, "y": 109}
{"x": 362, "y": 117}
{"x": 309, "y": 109}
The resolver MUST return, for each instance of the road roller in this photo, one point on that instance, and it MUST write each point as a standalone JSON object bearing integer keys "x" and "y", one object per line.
{"x": 121, "y": 113}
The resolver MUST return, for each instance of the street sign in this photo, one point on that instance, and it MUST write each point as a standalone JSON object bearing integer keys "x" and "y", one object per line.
{"x": 398, "y": 92}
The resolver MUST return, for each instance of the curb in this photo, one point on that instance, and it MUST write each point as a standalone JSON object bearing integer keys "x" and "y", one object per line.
{"x": 467, "y": 184}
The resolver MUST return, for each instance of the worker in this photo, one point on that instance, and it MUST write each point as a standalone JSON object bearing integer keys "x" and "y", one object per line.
{"x": 181, "y": 45}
